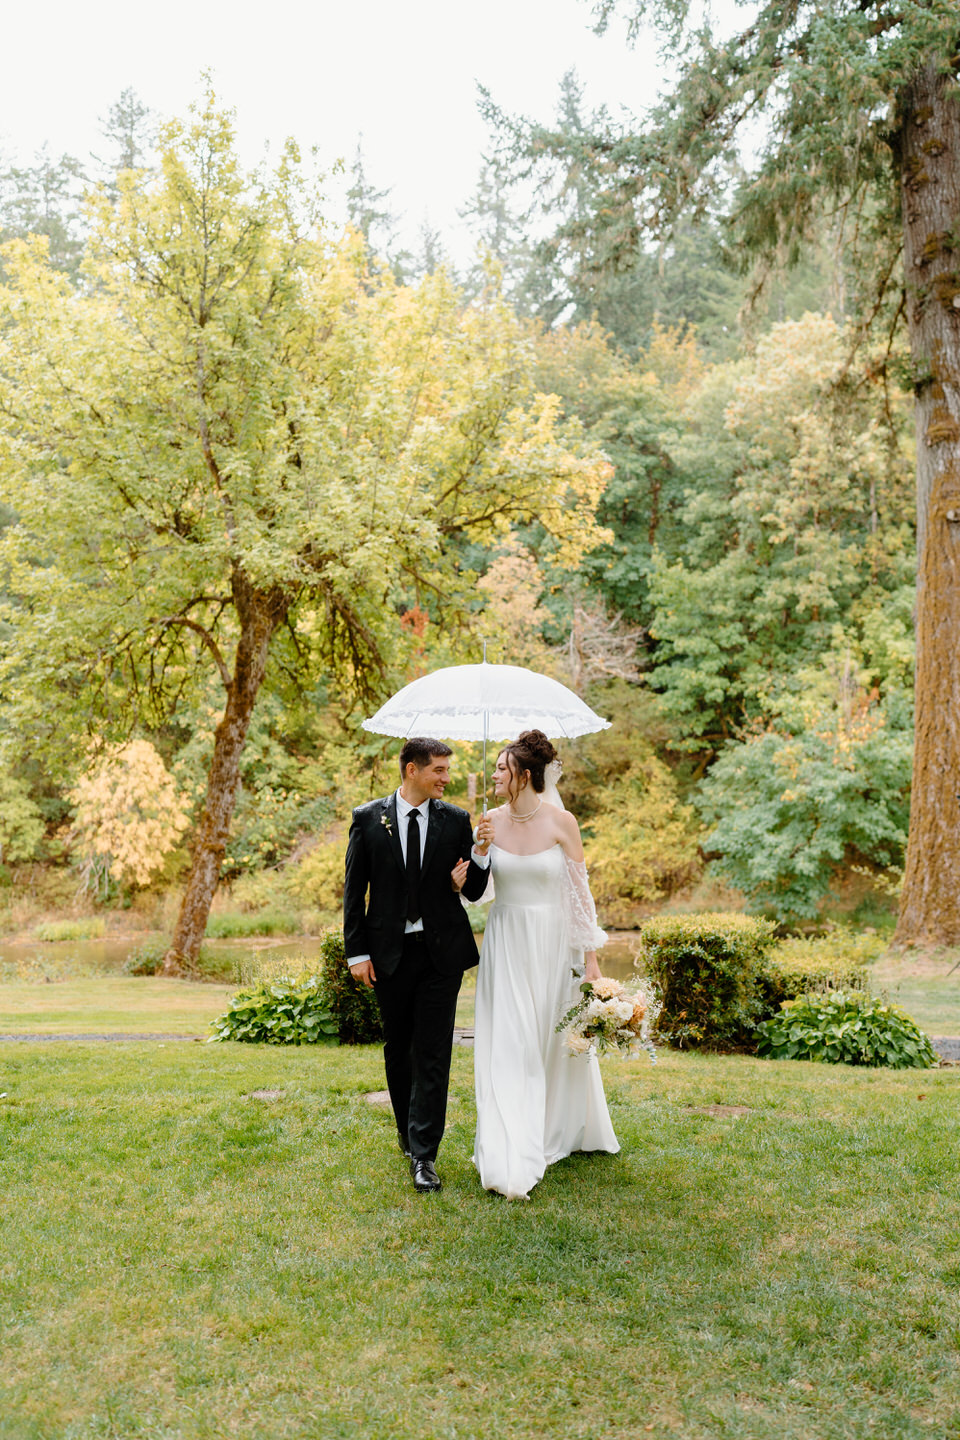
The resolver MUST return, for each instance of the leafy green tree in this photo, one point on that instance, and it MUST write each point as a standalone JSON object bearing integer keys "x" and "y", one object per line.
{"x": 794, "y": 803}
{"x": 798, "y": 534}
{"x": 21, "y": 824}
{"x": 240, "y": 449}
{"x": 861, "y": 108}
{"x": 630, "y": 406}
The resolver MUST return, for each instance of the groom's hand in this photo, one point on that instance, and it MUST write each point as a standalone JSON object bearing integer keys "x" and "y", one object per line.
{"x": 459, "y": 874}
{"x": 364, "y": 972}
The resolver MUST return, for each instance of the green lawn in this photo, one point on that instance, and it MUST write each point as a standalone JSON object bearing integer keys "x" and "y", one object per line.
{"x": 925, "y": 988}
{"x": 131, "y": 1004}
{"x": 181, "y": 1260}
{"x": 106, "y": 1003}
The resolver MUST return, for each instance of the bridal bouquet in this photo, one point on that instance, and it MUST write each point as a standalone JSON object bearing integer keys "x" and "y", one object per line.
{"x": 607, "y": 1017}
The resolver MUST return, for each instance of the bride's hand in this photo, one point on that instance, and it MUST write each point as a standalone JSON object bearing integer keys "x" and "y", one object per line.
{"x": 591, "y": 966}
{"x": 484, "y": 833}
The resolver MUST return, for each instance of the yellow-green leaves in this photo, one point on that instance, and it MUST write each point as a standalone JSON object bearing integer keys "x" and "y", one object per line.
{"x": 234, "y": 396}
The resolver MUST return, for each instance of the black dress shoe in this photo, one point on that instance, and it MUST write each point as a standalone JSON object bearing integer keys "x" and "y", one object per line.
{"x": 403, "y": 1146}
{"x": 425, "y": 1178}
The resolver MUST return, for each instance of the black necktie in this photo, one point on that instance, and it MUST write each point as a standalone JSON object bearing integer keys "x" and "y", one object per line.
{"x": 413, "y": 866}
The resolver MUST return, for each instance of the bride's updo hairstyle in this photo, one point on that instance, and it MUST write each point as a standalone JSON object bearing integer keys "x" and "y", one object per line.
{"x": 530, "y": 751}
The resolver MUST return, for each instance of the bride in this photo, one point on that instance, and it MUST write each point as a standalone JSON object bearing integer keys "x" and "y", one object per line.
{"x": 536, "y": 1103}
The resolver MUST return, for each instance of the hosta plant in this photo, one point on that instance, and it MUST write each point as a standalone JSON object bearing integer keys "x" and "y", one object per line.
{"x": 283, "y": 1011}
{"x": 845, "y": 1027}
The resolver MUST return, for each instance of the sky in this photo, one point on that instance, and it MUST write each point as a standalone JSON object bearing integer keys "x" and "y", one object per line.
{"x": 401, "y": 73}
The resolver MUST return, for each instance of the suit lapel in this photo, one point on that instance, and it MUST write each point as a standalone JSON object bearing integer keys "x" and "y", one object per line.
{"x": 434, "y": 826}
{"x": 393, "y": 827}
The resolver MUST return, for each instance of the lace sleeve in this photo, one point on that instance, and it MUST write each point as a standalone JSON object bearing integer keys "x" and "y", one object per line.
{"x": 579, "y": 911}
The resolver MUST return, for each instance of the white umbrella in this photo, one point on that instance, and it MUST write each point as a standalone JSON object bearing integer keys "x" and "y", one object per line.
{"x": 481, "y": 702}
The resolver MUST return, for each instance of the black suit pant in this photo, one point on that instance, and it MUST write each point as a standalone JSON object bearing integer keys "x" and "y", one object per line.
{"x": 418, "y": 1006}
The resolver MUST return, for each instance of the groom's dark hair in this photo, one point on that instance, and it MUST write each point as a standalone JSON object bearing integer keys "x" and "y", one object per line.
{"x": 421, "y": 751}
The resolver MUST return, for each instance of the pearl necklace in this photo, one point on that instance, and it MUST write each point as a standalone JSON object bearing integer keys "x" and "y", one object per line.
{"x": 522, "y": 819}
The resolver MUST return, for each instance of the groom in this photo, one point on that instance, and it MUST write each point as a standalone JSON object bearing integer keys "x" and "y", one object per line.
{"x": 411, "y": 940}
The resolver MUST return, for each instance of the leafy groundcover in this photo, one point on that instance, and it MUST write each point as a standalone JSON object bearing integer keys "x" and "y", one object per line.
{"x": 845, "y": 1027}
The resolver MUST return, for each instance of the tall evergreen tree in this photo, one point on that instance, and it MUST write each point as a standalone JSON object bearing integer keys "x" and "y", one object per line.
{"x": 44, "y": 199}
{"x": 564, "y": 266}
{"x": 367, "y": 210}
{"x": 129, "y": 129}
{"x": 861, "y": 107}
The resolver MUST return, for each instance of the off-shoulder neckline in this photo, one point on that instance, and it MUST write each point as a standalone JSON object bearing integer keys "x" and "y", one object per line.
{"x": 519, "y": 855}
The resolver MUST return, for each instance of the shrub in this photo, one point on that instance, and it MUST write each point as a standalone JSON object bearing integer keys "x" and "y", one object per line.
{"x": 352, "y": 1006}
{"x": 276, "y": 1008}
{"x": 708, "y": 969}
{"x": 801, "y": 967}
{"x": 845, "y": 1027}
{"x": 285, "y": 1011}
{"x": 267, "y": 823}
{"x": 146, "y": 958}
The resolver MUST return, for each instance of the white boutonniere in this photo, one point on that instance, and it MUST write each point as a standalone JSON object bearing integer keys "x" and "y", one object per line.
{"x": 385, "y": 822}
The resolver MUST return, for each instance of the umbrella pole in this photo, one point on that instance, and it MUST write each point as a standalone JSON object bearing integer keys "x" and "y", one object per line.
{"x": 484, "y": 762}
{"x": 484, "y": 742}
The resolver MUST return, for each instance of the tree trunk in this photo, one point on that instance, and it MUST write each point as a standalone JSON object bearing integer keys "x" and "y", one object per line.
{"x": 930, "y": 172}
{"x": 259, "y": 613}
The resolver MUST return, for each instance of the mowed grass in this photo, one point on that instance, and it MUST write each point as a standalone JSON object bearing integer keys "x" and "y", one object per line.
{"x": 924, "y": 986}
{"x": 182, "y": 1260}
{"x": 133, "y": 1004}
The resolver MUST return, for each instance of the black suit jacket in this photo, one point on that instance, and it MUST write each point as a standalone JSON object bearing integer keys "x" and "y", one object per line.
{"x": 374, "y": 866}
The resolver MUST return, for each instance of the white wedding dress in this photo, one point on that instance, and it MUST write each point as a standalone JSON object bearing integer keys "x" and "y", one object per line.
{"x": 536, "y": 1102}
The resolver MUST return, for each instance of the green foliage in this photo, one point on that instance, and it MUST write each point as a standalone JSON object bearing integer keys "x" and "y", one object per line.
{"x": 640, "y": 838}
{"x": 229, "y": 925}
{"x": 311, "y": 1008}
{"x": 630, "y": 406}
{"x": 642, "y": 844}
{"x": 707, "y": 968}
{"x": 21, "y": 824}
{"x": 44, "y": 199}
{"x": 787, "y": 810}
{"x": 477, "y": 915}
{"x": 91, "y": 928}
{"x": 352, "y": 1007}
{"x": 317, "y": 878}
{"x": 797, "y": 967}
{"x": 210, "y": 966}
{"x": 582, "y": 270}
{"x": 284, "y": 1011}
{"x": 829, "y": 88}
{"x": 146, "y": 958}
{"x": 798, "y": 518}
{"x": 847, "y": 1028}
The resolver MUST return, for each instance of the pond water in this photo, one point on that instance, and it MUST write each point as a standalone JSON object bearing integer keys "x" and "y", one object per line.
{"x": 36, "y": 959}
